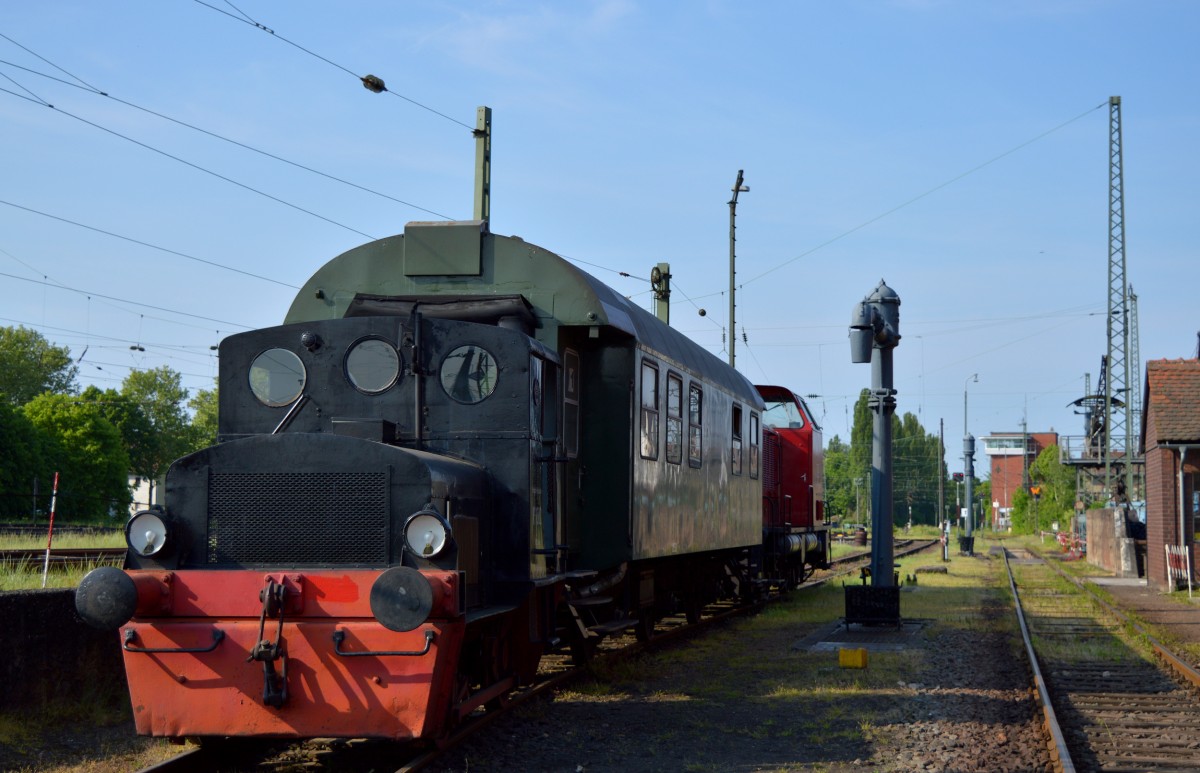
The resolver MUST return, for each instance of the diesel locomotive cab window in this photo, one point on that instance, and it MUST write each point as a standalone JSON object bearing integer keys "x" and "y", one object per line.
{"x": 469, "y": 374}
{"x": 277, "y": 377}
{"x": 695, "y": 426}
{"x": 674, "y": 418}
{"x": 649, "y": 411}
{"x": 737, "y": 440}
{"x": 372, "y": 366}
{"x": 783, "y": 414}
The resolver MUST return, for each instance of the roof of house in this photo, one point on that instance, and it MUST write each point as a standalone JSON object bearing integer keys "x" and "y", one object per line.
{"x": 1172, "y": 401}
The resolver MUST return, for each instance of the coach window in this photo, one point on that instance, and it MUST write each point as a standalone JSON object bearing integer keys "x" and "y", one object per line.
{"x": 736, "y": 448}
{"x": 277, "y": 377}
{"x": 674, "y": 418}
{"x": 695, "y": 425}
{"x": 753, "y": 445}
{"x": 649, "y": 410}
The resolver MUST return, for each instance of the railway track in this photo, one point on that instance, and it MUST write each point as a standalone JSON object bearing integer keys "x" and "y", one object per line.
{"x": 1110, "y": 705}
{"x": 555, "y": 672}
{"x": 64, "y": 556}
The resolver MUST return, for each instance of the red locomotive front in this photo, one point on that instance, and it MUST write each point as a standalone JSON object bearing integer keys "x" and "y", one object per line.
{"x": 795, "y": 534}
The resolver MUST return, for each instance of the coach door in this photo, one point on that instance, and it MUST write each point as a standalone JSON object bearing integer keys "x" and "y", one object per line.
{"x": 545, "y": 470}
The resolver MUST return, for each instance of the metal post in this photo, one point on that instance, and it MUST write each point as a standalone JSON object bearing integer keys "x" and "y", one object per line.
{"x": 874, "y": 333}
{"x": 968, "y": 472}
{"x": 737, "y": 188}
{"x": 882, "y": 403}
{"x": 660, "y": 285}
{"x": 483, "y": 163}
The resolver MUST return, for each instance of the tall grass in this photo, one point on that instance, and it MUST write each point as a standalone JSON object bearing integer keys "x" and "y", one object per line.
{"x": 63, "y": 540}
{"x": 27, "y": 575}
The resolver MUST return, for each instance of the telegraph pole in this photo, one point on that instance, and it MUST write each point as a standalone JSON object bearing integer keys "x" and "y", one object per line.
{"x": 737, "y": 188}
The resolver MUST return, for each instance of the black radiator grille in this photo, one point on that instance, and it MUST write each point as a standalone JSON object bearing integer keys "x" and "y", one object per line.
{"x": 331, "y": 518}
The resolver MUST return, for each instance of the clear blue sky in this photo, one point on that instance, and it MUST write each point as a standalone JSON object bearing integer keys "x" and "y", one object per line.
{"x": 958, "y": 150}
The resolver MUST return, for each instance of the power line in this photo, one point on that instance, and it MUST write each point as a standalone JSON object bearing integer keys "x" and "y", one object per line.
{"x": 123, "y": 341}
{"x": 47, "y": 61}
{"x": 916, "y": 198}
{"x": 371, "y": 82}
{"x": 147, "y": 244}
{"x": 197, "y": 167}
{"x": 213, "y": 134}
{"x": 51, "y": 282}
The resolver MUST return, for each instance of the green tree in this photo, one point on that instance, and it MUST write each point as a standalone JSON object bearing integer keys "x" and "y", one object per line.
{"x": 160, "y": 395}
{"x": 22, "y": 454}
{"x": 839, "y": 481}
{"x": 983, "y": 501}
{"x": 31, "y": 365}
{"x": 1023, "y": 517}
{"x": 204, "y": 418}
{"x": 916, "y": 467}
{"x": 860, "y": 440}
{"x": 1056, "y": 488}
{"x": 87, "y": 451}
{"x": 131, "y": 421}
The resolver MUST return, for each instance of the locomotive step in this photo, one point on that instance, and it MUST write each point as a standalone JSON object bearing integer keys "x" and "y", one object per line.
{"x": 613, "y": 626}
{"x": 592, "y": 601}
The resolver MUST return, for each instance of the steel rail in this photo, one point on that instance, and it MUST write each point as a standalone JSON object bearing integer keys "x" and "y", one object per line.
{"x": 1182, "y": 668}
{"x": 1059, "y": 751}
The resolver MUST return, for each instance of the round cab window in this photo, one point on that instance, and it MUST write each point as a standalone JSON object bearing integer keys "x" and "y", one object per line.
{"x": 372, "y": 366}
{"x": 277, "y": 377}
{"x": 469, "y": 374}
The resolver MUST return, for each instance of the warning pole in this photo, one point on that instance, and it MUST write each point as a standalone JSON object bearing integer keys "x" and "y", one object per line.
{"x": 50, "y": 536}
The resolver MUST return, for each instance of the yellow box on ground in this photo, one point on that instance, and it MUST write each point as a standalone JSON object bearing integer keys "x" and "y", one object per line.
{"x": 852, "y": 658}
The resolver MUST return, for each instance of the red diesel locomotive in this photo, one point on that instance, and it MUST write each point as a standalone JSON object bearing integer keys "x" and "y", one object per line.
{"x": 458, "y": 452}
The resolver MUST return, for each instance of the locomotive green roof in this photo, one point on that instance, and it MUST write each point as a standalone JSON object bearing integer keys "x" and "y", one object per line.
{"x": 463, "y": 258}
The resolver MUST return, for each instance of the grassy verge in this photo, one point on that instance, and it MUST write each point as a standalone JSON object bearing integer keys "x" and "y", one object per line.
{"x": 27, "y": 574}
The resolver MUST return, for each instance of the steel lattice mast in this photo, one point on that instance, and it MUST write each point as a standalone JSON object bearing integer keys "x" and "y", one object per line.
{"x": 1118, "y": 429}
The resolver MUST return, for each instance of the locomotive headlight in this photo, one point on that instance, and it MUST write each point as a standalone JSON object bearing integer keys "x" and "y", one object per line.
{"x": 426, "y": 533}
{"x": 147, "y": 533}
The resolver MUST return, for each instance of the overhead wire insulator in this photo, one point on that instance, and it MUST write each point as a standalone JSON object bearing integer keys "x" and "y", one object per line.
{"x": 374, "y": 83}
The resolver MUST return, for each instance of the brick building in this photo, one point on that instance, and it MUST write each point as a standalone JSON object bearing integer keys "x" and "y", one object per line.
{"x": 1008, "y": 464}
{"x": 1171, "y": 446}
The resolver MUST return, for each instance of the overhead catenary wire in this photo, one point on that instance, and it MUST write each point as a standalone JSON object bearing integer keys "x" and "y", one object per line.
{"x": 915, "y": 198}
{"x": 130, "y": 239}
{"x": 51, "y": 282}
{"x": 370, "y": 81}
{"x": 197, "y": 167}
{"x": 223, "y": 138}
{"x": 90, "y": 294}
{"x": 88, "y": 87}
{"x": 52, "y": 64}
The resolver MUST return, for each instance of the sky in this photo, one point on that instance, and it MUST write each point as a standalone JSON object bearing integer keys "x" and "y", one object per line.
{"x": 958, "y": 151}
